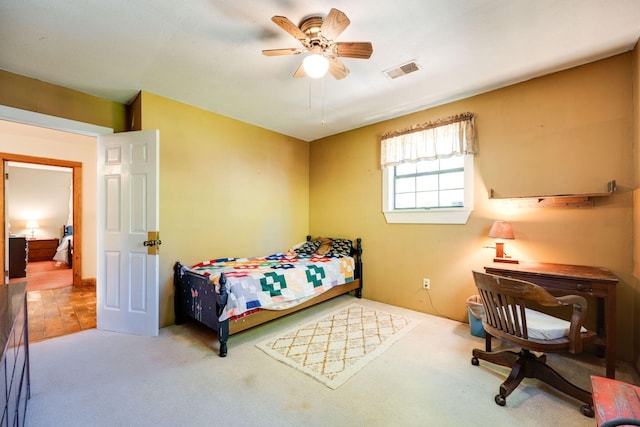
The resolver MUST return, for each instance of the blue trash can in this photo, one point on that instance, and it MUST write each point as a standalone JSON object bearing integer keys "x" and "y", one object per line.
{"x": 476, "y": 311}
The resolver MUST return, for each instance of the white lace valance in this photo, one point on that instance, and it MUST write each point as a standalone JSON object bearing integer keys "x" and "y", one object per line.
{"x": 453, "y": 136}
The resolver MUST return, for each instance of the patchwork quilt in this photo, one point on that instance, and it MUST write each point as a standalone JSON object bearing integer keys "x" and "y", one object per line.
{"x": 277, "y": 281}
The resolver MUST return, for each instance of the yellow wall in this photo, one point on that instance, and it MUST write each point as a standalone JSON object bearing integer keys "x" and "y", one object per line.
{"x": 29, "y": 94}
{"x": 226, "y": 188}
{"x": 569, "y": 132}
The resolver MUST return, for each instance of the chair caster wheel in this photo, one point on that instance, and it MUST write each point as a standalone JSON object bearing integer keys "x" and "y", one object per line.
{"x": 475, "y": 361}
{"x": 587, "y": 411}
{"x": 500, "y": 400}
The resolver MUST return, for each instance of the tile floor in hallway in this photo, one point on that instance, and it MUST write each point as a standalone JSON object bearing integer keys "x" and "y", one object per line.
{"x": 61, "y": 311}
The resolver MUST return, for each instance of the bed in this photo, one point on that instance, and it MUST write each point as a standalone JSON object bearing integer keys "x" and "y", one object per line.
{"x": 230, "y": 295}
{"x": 64, "y": 251}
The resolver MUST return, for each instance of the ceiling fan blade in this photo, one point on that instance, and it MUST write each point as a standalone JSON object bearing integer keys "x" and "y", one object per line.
{"x": 362, "y": 50}
{"x": 278, "y": 52}
{"x": 337, "y": 69}
{"x": 291, "y": 28}
{"x": 300, "y": 72}
{"x": 334, "y": 24}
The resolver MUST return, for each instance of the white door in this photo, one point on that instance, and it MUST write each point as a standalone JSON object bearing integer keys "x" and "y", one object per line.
{"x": 127, "y": 276}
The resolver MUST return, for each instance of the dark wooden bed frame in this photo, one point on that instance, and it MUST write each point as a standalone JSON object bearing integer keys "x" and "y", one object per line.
{"x": 187, "y": 283}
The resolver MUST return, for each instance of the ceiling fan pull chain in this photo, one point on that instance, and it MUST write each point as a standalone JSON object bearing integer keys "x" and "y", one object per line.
{"x": 322, "y": 121}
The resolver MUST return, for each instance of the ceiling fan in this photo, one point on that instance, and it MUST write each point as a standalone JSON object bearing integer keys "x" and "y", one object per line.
{"x": 317, "y": 36}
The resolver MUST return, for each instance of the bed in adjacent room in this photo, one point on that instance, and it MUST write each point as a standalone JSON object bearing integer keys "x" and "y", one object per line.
{"x": 230, "y": 295}
{"x": 64, "y": 252}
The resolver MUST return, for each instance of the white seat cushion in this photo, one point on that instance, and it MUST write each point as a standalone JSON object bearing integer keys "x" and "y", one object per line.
{"x": 545, "y": 327}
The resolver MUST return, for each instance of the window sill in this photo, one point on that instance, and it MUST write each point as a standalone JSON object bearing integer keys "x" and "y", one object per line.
{"x": 428, "y": 216}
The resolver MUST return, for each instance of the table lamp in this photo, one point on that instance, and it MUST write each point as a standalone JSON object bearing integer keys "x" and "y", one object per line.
{"x": 32, "y": 225}
{"x": 502, "y": 230}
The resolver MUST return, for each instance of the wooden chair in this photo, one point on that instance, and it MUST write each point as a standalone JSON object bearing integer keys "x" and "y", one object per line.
{"x": 508, "y": 317}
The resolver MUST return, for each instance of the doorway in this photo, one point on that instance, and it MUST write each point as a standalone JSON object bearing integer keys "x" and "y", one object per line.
{"x": 76, "y": 171}
{"x": 39, "y": 216}
{"x": 56, "y": 312}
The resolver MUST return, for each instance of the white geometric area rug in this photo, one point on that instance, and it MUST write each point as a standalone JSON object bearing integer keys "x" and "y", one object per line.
{"x": 337, "y": 346}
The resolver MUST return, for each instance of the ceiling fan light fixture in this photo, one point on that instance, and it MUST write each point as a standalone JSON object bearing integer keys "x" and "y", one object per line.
{"x": 315, "y": 65}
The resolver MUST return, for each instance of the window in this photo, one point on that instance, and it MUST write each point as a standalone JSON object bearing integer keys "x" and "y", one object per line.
{"x": 429, "y": 184}
{"x": 429, "y": 191}
{"x": 427, "y": 172}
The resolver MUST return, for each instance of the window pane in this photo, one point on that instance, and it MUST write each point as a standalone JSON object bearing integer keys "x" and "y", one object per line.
{"x": 452, "y": 162}
{"x": 427, "y": 166}
{"x": 452, "y": 198}
{"x": 427, "y": 183}
{"x": 427, "y": 199}
{"x": 405, "y": 201}
{"x": 451, "y": 180}
{"x": 405, "y": 185}
{"x": 406, "y": 169}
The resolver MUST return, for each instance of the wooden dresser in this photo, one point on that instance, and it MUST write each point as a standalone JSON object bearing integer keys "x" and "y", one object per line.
{"x": 17, "y": 257}
{"x": 15, "y": 387}
{"x": 42, "y": 249}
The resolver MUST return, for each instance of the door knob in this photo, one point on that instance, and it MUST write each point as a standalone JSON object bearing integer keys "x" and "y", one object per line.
{"x": 154, "y": 242}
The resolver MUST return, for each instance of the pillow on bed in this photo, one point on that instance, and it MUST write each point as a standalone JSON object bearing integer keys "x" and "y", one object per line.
{"x": 325, "y": 246}
{"x": 341, "y": 247}
{"x": 308, "y": 248}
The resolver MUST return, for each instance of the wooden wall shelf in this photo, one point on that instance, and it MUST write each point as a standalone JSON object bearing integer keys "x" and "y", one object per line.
{"x": 563, "y": 200}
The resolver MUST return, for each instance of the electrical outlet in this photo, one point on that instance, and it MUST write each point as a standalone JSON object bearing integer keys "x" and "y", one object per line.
{"x": 426, "y": 283}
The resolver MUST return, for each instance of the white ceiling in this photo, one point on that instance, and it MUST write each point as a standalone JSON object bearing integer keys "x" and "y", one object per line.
{"x": 207, "y": 53}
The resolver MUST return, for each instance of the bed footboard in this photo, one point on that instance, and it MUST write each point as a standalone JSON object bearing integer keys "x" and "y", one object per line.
{"x": 197, "y": 299}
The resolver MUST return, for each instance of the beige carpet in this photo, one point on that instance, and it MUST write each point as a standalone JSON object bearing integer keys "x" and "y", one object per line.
{"x": 335, "y": 347}
{"x": 97, "y": 378}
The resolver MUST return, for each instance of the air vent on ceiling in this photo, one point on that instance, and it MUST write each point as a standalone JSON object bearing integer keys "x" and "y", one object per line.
{"x": 402, "y": 70}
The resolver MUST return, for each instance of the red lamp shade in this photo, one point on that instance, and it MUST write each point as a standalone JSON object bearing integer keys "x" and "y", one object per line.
{"x": 502, "y": 230}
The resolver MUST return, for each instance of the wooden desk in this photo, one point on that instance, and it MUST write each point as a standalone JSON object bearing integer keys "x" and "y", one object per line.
{"x": 598, "y": 282}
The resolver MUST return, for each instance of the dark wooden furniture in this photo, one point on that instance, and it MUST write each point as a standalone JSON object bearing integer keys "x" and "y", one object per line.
{"x": 598, "y": 282}
{"x": 17, "y": 257}
{"x": 505, "y": 303}
{"x": 42, "y": 249}
{"x": 15, "y": 387}
{"x": 193, "y": 291}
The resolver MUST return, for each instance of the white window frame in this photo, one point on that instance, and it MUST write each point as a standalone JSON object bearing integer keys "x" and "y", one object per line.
{"x": 451, "y": 215}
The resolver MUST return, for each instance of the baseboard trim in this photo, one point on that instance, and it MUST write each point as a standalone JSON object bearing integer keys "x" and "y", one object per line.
{"x": 89, "y": 282}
